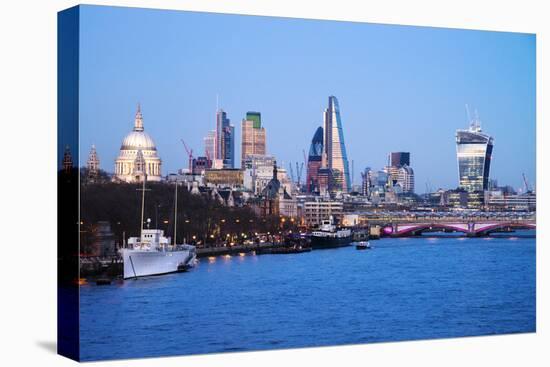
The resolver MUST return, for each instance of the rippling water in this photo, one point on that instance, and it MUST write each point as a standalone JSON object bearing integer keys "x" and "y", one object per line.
{"x": 403, "y": 289}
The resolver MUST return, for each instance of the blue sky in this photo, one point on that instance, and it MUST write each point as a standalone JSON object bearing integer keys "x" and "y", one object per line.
{"x": 400, "y": 88}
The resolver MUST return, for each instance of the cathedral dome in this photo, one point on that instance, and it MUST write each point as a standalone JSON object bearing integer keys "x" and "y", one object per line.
{"x": 138, "y": 140}
{"x": 138, "y": 155}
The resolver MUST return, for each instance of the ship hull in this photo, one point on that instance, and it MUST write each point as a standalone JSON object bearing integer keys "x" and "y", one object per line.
{"x": 318, "y": 242}
{"x": 146, "y": 263}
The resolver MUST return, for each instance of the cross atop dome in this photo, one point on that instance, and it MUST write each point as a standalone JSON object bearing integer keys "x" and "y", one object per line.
{"x": 138, "y": 123}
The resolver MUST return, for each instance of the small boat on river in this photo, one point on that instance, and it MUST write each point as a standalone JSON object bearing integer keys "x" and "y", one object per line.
{"x": 363, "y": 246}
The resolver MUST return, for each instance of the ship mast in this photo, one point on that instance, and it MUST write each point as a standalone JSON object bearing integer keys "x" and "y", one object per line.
{"x": 176, "y": 213}
{"x": 142, "y": 205}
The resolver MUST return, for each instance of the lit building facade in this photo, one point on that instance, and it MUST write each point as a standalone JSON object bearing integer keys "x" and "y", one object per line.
{"x": 474, "y": 150}
{"x": 461, "y": 198}
{"x": 253, "y": 136}
{"x": 138, "y": 155}
{"x": 225, "y": 140}
{"x": 499, "y": 200}
{"x": 228, "y": 177}
{"x": 210, "y": 145}
{"x": 314, "y": 161}
{"x": 316, "y": 211}
{"x": 335, "y": 156}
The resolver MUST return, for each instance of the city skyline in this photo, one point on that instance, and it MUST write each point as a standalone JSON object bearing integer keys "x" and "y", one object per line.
{"x": 500, "y": 85}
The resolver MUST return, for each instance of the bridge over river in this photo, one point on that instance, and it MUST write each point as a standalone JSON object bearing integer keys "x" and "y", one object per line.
{"x": 471, "y": 226}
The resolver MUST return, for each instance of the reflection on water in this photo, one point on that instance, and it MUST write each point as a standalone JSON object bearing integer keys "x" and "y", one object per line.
{"x": 410, "y": 288}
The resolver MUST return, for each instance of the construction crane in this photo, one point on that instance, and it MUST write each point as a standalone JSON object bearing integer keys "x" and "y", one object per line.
{"x": 189, "y": 154}
{"x": 299, "y": 170}
{"x": 291, "y": 171}
{"x": 429, "y": 189}
{"x": 525, "y": 183}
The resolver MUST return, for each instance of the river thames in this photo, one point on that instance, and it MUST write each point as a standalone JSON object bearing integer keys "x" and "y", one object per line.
{"x": 402, "y": 289}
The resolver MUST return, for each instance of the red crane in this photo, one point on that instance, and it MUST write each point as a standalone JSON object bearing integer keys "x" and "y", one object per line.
{"x": 189, "y": 154}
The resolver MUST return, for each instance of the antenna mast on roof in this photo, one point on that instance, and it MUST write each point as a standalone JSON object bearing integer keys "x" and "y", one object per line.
{"x": 478, "y": 122}
{"x": 470, "y": 121}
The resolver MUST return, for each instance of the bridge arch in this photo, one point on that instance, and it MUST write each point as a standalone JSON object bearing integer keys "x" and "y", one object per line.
{"x": 487, "y": 228}
{"x": 416, "y": 229}
{"x": 468, "y": 228}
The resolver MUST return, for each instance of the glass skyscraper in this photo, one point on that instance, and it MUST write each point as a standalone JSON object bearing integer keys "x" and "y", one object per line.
{"x": 335, "y": 157}
{"x": 225, "y": 140}
{"x": 399, "y": 159}
{"x": 474, "y": 150}
{"x": 314, "y": 161}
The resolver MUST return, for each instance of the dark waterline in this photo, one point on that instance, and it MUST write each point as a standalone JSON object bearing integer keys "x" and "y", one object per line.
{"x": 403, "y": 289}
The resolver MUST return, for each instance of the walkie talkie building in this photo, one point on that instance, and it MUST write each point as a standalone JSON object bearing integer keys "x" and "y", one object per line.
{"x": 474, "y": 150}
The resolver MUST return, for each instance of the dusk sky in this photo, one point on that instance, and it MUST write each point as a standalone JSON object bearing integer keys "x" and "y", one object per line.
{"x": 400, "y": 88}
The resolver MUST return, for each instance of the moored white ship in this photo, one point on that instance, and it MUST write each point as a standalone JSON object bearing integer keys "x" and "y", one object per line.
{"x": 152, "y": 253}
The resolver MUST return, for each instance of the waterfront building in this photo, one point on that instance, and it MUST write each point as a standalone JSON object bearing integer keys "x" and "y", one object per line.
{"x": 92, "y": 165}
{"x": 335, "y": 156}
{"x": 505, "y": 200}
{"x": 138, "y": 155}
{"x": 314, "y": 161}
{"x": 460, "y": 198}
{"x": 253, "y": 136}
{"x": 474, "y": 150}
{"x": 226, "y": 177}
{"x": 316, "y": 211}
{"x": 210, "y": 145}
{"x": 225, "y": 140}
